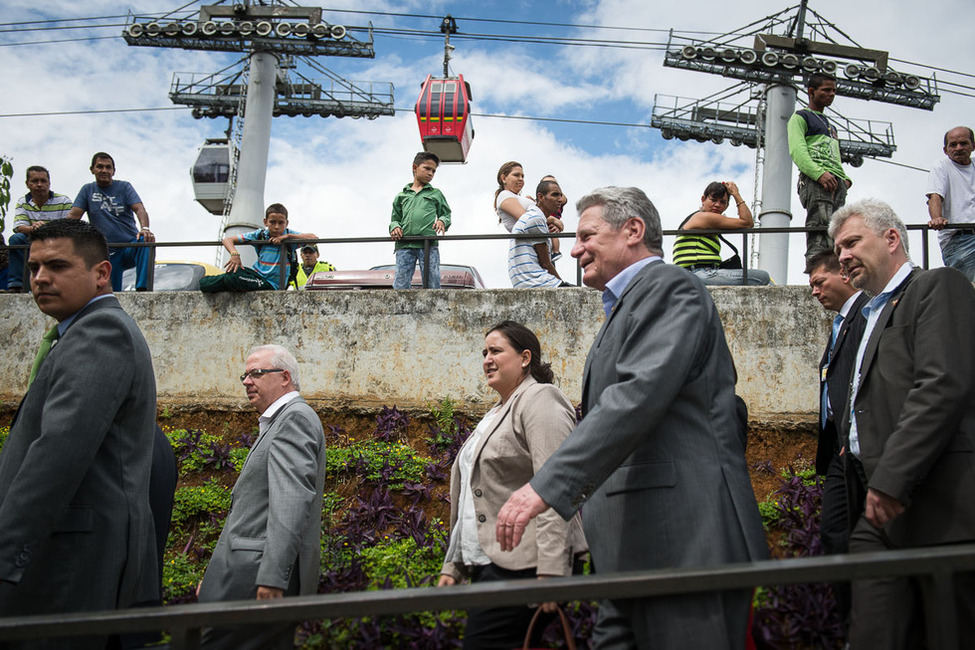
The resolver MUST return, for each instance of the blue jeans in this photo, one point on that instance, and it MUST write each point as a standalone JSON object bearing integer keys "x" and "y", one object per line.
{"x": 406, "y": 261}
{"x": 17, "y": 260}
{"x": 731, "y": 277}
{"x": 126, "y": 258}
{"x": 958, "y": 253}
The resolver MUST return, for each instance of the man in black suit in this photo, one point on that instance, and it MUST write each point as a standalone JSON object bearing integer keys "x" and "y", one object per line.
{"x": 910, "y": 427}
{"x": 76, "y": 531}
{"x": 833, "y": 291}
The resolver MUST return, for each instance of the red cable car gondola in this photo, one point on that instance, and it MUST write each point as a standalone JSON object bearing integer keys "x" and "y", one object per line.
{"x": 443, "y": 112}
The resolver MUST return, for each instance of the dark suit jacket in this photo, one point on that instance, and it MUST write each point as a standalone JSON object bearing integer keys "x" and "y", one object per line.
{"x": 658, "y": 459}
{"x": 915, "y": 408}
{"x": 837, "y": 382}
{"x": 75, "y": 528}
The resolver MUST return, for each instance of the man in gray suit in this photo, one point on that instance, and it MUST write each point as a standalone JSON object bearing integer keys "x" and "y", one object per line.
{"x": 75, "y": 527}
{"x": 270, "y": 544}
{"x": 657, "y": 459}
{"x": 909, "y": 428}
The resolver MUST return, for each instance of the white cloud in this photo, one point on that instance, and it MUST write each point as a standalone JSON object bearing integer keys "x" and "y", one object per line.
{"x": 338, "y": 177}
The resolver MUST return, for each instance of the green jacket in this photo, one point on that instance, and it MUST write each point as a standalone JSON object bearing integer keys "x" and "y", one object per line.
{"x": 416, "y": 212}
{"x": 814, "y": 145}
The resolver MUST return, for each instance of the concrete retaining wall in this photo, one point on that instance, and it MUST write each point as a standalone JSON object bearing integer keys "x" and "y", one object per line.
{"x": 362, "y": 349}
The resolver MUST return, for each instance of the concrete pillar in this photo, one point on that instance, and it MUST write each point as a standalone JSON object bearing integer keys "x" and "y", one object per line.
{"x": 247, "y": 212}
{"x": 777, "y": 186}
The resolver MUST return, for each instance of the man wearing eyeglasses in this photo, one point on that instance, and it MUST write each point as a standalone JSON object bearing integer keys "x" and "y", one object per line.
{"x": 270, "y": 544}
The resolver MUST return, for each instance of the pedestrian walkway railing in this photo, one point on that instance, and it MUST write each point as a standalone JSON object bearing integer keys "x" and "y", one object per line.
{"x": 568, "y": 236}
{"x": 934, "y": 567}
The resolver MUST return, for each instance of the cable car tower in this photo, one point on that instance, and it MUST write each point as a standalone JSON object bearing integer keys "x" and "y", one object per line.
{"x": 766, "y": 66}
{"x": 265, "y": 83}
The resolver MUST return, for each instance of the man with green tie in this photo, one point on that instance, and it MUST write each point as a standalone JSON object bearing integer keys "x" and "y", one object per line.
{"x": 75, "y": 526}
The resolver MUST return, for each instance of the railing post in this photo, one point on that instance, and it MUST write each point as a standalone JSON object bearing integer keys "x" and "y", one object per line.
{"x": 744, "y": 259}
{"x": 425, "y": 271}
{"x": 925, "y": 262}
{"x": 151, "y": 271}
{"x": 284, "y": 270}
{"x": 185, "y": 638}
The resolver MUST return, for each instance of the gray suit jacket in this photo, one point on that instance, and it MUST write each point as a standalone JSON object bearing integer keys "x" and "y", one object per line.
{"x": 915, "y": 408}
{"x": 657, "y": 459}
{"x": 75, "y": 528}
{"x": 275, "y": 521}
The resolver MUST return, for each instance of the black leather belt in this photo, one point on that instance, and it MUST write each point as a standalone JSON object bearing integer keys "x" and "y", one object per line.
{"x": 694, "y": 267}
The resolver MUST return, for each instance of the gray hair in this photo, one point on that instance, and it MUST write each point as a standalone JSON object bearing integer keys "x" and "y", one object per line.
{"x": 878, "y": 216}
{"x": 622, "y": 203}
{"x": 281, "y": 358}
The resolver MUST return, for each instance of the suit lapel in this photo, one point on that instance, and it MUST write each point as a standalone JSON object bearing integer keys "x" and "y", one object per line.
{"x": 500, "y": 417}
{"x": 645, "y": 271}
{"x": 261, "y": 436}
{"x": 871, "y": 350}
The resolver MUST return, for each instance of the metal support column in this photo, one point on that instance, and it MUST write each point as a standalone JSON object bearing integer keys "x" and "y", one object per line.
{"x": 777, "y": 182}
{"x": 247, "y": 212}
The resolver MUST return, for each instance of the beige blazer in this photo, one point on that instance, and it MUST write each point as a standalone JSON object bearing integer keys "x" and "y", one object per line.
{"x": 528, "y": 428}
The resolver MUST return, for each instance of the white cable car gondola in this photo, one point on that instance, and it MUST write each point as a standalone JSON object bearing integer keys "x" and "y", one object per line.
{"x": 211, "y": 174}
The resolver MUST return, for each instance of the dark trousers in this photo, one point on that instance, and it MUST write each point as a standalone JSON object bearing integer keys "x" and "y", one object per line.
{"x": 241, "y": 280}
{"x": 834, "y": 528}
{"x": 502, "y": 628}
{"x": 899, "y": 613}
{"x": 820, "y": 206}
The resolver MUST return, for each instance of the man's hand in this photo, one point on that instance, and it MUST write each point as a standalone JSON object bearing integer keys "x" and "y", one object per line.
{"x": 523, "y": 506}
{"x": 881, "y": 508}
{"x": 937, "y": 223}
{"x": 396, "y": 233}
{"x": 555, "y": 225}
{"x": 439, "y": 227}
{"x": 269, "y": 593}
{"x": 233, "y": 264}
{"x": 829, "y": 182}
{"x": 446, "y": 581}
{"x": 146, "y": 235}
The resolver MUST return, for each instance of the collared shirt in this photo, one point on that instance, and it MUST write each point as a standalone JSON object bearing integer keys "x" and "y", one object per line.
{"x": 842, "y": 315}
{"x": 28, "y": 213}
{"x": 264, "y": 421}
{"x": 66, "y": 323}
{"x": 617, "y": 285}
{"x": 871, "y": 311}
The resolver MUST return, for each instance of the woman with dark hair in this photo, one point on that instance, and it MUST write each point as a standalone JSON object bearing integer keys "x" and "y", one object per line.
{"x": 513, "y": 439}
{"x": 701, "y": 254}
{"x": 510, "y": 204}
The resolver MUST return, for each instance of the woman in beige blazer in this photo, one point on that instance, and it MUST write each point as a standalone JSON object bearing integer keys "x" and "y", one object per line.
{"x": 512, "y": 441}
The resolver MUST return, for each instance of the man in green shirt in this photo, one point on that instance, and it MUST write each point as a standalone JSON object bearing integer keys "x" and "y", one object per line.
{"x": 420, "y": 210}
{"x": 815, "y": 148}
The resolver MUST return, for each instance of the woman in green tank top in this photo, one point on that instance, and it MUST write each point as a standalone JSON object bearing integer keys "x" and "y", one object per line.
{"x": 701, "y": 254}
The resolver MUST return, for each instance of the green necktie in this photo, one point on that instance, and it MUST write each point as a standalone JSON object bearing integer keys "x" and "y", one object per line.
{"x": 46, "y": 344}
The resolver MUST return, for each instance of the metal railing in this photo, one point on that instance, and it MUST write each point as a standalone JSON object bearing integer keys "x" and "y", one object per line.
{"x": 935, "y": 567}
{"x": 428, "y": 241}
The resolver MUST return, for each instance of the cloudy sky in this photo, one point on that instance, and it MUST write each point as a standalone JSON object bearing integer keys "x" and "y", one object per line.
{"x": 338, "y": 176}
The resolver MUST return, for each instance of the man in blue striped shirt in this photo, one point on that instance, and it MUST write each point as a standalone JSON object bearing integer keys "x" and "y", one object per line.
{"x": 530, "y": 262}
{"x": 39, "y": 206}
{"x": 266, "y": 272}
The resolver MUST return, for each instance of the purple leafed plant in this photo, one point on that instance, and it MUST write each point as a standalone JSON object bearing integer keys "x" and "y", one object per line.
{"x": 797, "y": 616}
{"x": 391, "y": 425}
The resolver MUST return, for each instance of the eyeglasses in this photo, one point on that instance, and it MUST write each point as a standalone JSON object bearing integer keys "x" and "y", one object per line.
{"x": 257, "y": 373}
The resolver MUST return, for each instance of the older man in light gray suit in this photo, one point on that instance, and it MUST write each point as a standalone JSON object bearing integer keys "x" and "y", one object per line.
{"x": 270, "y": 545}
{"x": 75, "y": 526}
{"x": 658, "y": 458}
